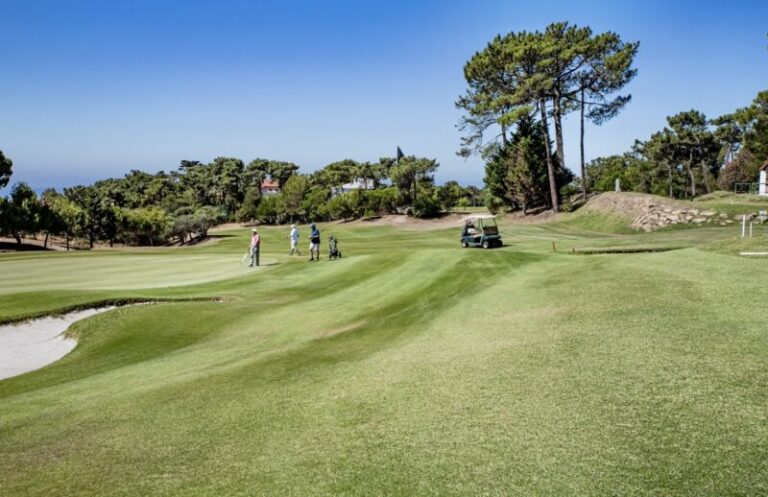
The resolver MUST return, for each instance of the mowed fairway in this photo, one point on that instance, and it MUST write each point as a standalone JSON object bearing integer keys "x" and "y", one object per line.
{"x": 409, "y": 367}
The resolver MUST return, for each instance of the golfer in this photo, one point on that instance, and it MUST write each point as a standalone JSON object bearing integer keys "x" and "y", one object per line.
{"x": 314, "y": 243}
{"x": 255, "y": 245}
{"x": 294, "y": 236}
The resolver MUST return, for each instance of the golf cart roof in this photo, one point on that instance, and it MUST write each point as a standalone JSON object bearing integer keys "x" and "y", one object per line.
{"x": 481, "y": 216}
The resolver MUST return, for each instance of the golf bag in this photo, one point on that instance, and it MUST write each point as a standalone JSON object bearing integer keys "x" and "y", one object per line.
{"x": 333, "y": 248}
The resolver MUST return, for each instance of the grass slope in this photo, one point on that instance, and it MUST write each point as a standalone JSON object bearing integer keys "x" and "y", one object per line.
{"x": 410, "y": 367}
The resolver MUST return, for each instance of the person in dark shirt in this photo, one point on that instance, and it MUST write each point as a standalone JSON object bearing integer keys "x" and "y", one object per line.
{"x": 314, "y": 243}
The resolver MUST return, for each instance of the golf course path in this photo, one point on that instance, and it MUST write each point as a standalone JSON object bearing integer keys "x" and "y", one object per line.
{"x": 33, "y": 344}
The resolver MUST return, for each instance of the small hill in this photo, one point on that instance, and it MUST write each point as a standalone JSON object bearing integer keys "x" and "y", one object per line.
{"x": 650, "y": 212}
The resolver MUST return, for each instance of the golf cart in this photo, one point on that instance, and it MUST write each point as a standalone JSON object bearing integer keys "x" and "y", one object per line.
{"x": 480, "y": 231}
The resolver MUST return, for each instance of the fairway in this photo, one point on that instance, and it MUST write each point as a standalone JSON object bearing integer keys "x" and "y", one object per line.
{"x": 410, "y": 367}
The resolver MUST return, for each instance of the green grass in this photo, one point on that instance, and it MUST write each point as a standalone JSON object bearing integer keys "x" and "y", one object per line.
{"x": 410, "y": 367}
{"x": 598, "y": 222}
{"x": 732, "y": 204}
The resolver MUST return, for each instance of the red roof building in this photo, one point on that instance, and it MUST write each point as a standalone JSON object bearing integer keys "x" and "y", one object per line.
{"x": 269, "y": 187}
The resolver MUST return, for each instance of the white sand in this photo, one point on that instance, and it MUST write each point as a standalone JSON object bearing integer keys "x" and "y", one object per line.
{"x": 33, "y": 344}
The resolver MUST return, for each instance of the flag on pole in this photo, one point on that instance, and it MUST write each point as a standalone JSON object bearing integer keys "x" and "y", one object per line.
{"x": 400, "y": 154}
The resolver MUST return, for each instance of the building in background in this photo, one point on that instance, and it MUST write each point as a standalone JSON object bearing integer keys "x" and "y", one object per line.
{"x": 357, "y": 184}
{"x": 269, "y": 187}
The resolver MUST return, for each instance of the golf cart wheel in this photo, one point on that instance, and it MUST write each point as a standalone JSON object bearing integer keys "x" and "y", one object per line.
{"x": 464, "y": 244}
{"x": 486, "y": 244}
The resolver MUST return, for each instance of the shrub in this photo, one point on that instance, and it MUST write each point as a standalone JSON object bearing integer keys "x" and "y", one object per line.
{"x": 567, "y": 193}
{"x": 145, "y": 226}
{"x": 426, "y": 205}
{"x": 493, "y": 203}
{"x": 339, "y": 207}
{"x": 383, "y": 200}
{"x": 270, "y": 209}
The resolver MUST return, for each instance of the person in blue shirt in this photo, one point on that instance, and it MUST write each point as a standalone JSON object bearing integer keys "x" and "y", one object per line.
{"x": 314, "y": 243}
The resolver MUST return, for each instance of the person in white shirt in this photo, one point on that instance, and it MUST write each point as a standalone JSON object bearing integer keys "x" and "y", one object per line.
{"x": 294, "y": 236}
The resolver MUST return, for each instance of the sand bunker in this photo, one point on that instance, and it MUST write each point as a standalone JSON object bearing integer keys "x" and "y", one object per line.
{"x": 33, "y": 344}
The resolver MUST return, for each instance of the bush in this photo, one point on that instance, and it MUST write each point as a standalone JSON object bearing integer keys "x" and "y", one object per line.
{"x": 426, "y": 205}
{"x": 315, "y": 204}
{"x": 145, "y": 226}
{"x": 567, "y": 193}
{"x": 493, "y": 203}
{"x": 383, "y": 200}
{"x": 339, "y": 207}
{"x": 248, "y": 211}
{"x": 270, "y": 210}
{"x": 196, "y": 224}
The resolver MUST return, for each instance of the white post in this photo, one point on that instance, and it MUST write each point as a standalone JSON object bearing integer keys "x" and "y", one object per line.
{"x": 750, "y": 229}
{"x": 743, "y": 225}
{"x": 618, "y": 185}
{"x": 761, "y": 187}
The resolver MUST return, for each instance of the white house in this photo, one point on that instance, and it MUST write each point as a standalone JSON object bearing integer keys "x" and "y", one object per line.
{"x": 357, "y": 184}
{"x": 762, "y": 184}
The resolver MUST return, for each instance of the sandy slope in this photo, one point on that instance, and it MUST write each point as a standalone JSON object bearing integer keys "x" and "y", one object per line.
{"x": 31, "y": 345}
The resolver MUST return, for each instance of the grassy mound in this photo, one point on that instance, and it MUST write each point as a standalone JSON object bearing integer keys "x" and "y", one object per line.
{"x": 598, "y": 221}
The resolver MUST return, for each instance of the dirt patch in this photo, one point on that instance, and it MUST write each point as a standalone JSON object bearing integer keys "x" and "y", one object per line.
{"x": 630, "y": 205}
{"x": 10, "y": 245}
{"x": 537, "y": 218}
{"x": 407, "y": 222}
{"x": 650, "y": 212}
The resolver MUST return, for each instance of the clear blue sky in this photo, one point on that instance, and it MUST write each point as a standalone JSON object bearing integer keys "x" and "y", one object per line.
{"x": 92, "y": 89}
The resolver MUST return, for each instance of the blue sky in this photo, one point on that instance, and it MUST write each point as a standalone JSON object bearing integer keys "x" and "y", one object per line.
{"x": 92, "y": 89}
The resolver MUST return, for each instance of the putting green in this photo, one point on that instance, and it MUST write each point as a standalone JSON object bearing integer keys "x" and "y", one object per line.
{"x": 114, "y": 270}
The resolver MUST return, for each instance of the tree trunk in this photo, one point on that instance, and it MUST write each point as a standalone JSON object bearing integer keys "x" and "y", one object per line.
{"x": 550, "y": 165}
{"x": 689, "y": 166}
{"x": 67, "y": 243}
{"x": 45, "y": 243}
{"x": 557, "y": 115}
{"x": 581, "y": 143}
{"x": 705, "y": 174}
{"x": 669, "y": 169}
{"x": 17, "y": 236}
{"x": 504, "y": 134}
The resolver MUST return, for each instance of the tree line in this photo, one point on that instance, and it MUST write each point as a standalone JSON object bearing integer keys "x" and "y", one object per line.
{"x": 150, "y": 209}
{"x": 692, "y": 155}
